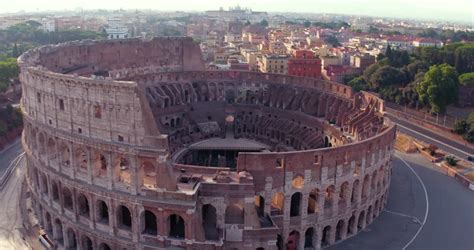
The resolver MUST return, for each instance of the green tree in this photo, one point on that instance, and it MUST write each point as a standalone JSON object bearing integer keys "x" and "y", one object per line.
{"x": 8, "y": 69}
{"x": 307, "y": 24}
{"x": 464, "y": 59}
{"x": 385, "y": 76}
{"x": 460, "y": 127}
{"x": 333, "y": 41}
{"x": 439, "y": 87}
{"x": 358, "y": 83}
{"x": 467, "y": 79}
{"x": 264, "y": 23}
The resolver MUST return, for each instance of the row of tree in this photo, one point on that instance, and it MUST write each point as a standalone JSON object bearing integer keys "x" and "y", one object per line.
{"x": 466, "y": 128}
{"x": 8, "y": 71}
{"x": 10, "y": 118}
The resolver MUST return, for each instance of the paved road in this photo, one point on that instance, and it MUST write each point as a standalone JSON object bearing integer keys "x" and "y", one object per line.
{"x": 10, "y": 219}
{"x": 449, "y": 221}
{"x": 9, "y": 154}
{"x": 450, "y": 146}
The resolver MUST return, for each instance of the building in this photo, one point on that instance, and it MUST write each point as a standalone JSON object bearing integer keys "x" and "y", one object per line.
{"x": 116, "y": 29}
{"x": 340, "y": 73}
{"x": 362, "y": 61}
{"x": 427, "y": 42}
{"x": 157, "y": 153}
{"x": 277, "y": 64}
{"x": 304, "y": 63}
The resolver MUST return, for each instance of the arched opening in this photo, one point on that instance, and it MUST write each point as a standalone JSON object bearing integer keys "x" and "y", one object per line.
{"x": 87, "y": 243}
{"x": 44, "y": 184}
{"x": 355, "y": 188}
{"x": 351, "y": 225}
{"x": 260, "y": 205}
{"x": 104, "y": 246}
{"x": 176, "y": 226}
{"x": 293, "y": 240}
{"x": 55, "y": 191}
{"x": 83, "y": 204}
{"x": 329, "y": 197}
{"x": 365, "y": 187}
{"x": 369, "y": 215}
{"x": 80, "y": 155}
{"x": 42, "y": 145}
{"x": 64, "y": 154}
{"x": 52, "y": 155}
{"x": 295, "y": 209}
{"x": 122, "y": 169}
{"x": 280, "y": 242}
{"x": 124, "y": 217}
{"x": 278, "y": 202}
{"x": 374, "y": 181}
{"x": 326, "y": 236}
{"x": 313, "y": 206}
{"x": 102, "y": 211}
{"x": 48, "y": 223}
{"x": 360, "y": 223}
{"x": 58, "y": 231}
{"x": 100, "y": 165}
{"x": 340, "y": 230}
{"x": 344, "y": 193}
{"x": 376, "y": 208}
{"x": 298, "y": 182}
{"x": 209, "y": 222}
{"x": 150, "y": 225}
{"x": 67, "y": 198}
{"x": 149, "y": 174}
{"x": 309, "y": 238}
{"x": 234, "y": 214}
{"x": 71, "y": 239}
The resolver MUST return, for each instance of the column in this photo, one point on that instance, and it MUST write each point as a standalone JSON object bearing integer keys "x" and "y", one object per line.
{"x": 110, "y": 170}
{"x": 134, "y": 188}
{"x": 89, "y": 165}
{"x": 72, "y": 160}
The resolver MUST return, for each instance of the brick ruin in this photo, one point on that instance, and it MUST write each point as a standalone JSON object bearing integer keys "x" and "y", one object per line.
{"x": 131, "y": 144}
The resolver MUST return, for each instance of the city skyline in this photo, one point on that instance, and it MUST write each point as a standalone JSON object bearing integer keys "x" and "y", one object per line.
{"x": 456, "y": 10}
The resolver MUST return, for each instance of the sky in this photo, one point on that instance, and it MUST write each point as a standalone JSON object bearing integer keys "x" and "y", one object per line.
{"x": 452, "y": 10}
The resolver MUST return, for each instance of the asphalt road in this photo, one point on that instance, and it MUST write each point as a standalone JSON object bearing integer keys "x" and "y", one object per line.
{"x": 8, "y": 155}
{"x": 450, "y": 146}
{"x": 449, "y": 215}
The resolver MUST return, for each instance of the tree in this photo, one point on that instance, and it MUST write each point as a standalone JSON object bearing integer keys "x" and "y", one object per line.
{"x": 467, "y": 79}
{"x": 439, "y": 87}
{"x": 388, "y": 53}
{"x": 358, "y": 84}
{"x": 307, "y": 24}
{"x": 385, "y": 76}
{"x": 8, "y": 69}
{"x": 333, "y": 41}
{"x": 460, "y": 127}
{"x": 264, "y": 23}
{"x": 464, "y": 59}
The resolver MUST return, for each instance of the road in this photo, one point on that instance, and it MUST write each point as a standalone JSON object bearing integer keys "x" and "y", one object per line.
{"x": 453, "y": 147}
{"x": 448, "y": 208}
{"x": 10, "y": 219}
{"x": 8, "y": 155}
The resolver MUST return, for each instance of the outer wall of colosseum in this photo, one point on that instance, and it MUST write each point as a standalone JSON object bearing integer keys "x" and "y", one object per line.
{"x": 105, "y": 121}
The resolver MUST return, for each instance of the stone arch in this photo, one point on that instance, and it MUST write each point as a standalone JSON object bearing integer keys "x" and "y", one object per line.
{"x": 374, "y": 178}
{"x": 71, "y": 239}
{"x": 365, "y": 187}
{"x": 293, "y": 240}
{"x": 376, "y": 208}
{"x": 51, "y": 149}
{"x": 83, "y": 205}
{"x": 209, "y": 222}
{"x": 64, "y": 154}
{"x": 340, "y": 230}
{"x": 176, "y": 227}
{"x": 313, "y": 201}
{"x": 104, "y": 246}
{"x": 360, "y": 223}
{"x": 86, "y": 243}
{"x": 148, "y": 172}
{"x": 58, "y": 231}
{"x": 41, "y": 145}
{"x": 344, "y": 193}
{"x": 368, "y": 215}
{"x": 260, "y": 205}
{"x": 48, "y": 222}
{"x": 295, "y": 206}
{"x": 122, "y": 169}
{"x": 81, "y": 159}
{"x": 298, "y": 182}
{"x": 100, "y": 165}
{"x": 102, "y": 212}
{"x": 149, "y": 223}
{"x": 355, "y": 191}
{"x": 351, "y": 227}
{"x": 124, "y": 217}
{"x": 279, "y": 243}
{"x": 67, "y": 199}
{"x": 55, "y": 191}
{"x": 309, "y": 238}
{"x": 44, "y": 184}
{"x": 234, "y": 214}
{"x": 326, "y": 239}
{"x": 278, "y": 203}
{"x": 329, "y": 197}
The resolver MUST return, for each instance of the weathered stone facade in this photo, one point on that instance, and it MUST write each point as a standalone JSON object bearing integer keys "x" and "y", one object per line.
{"x": 104, "y": 120}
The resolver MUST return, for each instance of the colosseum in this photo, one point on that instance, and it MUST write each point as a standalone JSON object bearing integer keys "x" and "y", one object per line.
{"x": 133, "y": 144}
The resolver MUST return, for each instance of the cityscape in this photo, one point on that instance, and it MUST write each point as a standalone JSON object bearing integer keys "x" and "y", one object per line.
{"x": 237, "y": 125}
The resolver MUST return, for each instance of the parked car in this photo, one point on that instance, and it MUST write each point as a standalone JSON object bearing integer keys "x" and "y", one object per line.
{"x": 470, "y": 158}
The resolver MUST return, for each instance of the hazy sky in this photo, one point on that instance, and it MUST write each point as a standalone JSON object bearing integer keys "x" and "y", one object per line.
{"x": 458, "y": 10}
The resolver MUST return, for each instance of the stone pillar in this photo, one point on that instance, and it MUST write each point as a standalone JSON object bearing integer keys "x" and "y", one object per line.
{"x": 317, "y": 238}
{"x": 268, "y": 195}
{"x": 72, "y": 159}
{"x": 249, "y": 212}
{"x": 89, "y": 165}
{"x": 135, "y": 223}
{"x": 134, "y": 183}
{"x": 110, "y": 170}
{"x": 91, "y": 212}
{"x": 112, "y": 217}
